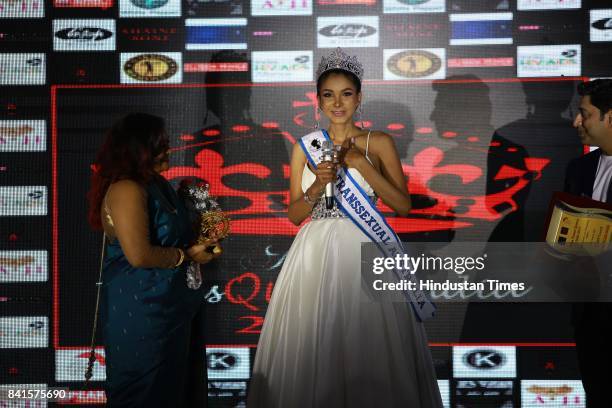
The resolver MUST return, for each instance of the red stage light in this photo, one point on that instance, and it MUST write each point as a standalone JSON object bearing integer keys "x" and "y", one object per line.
{"x": 241, "y": 128}
{"x": 424, "y": 130}
{"x": 395, "y": 126}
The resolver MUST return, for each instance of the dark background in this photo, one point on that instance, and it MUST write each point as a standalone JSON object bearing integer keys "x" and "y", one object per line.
{"x": 483, "y": 151}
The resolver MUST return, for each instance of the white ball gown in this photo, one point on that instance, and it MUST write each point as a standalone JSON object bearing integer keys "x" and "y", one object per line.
{"x": 321, "y": 345}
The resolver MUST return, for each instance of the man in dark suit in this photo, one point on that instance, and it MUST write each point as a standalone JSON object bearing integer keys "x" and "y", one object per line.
{"x": 591, "y": 176}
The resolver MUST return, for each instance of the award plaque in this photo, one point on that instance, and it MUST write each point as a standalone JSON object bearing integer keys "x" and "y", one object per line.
{"x": 574, "y": 220}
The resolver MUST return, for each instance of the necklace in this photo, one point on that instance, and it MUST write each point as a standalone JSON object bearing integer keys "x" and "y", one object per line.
{"x": 333, "y": 137}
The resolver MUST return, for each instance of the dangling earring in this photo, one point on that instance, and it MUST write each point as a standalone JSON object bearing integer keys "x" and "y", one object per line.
{"x": 316, "y": 125}
{"x": 360, "y": 116}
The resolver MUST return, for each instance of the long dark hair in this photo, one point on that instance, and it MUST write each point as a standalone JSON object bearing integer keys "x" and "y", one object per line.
{"x": 128, "y": 152}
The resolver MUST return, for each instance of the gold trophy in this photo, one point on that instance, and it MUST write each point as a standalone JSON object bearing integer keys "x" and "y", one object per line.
{"x": 208, "y": 220}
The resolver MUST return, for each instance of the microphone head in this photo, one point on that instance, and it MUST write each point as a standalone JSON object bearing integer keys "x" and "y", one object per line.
{"x": 327, "y": 150}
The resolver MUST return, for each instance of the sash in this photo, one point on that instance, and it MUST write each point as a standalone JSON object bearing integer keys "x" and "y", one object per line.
{"x": 356, "y": 204}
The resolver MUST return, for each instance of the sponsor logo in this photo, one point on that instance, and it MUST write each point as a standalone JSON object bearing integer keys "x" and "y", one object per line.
{"x": 552, "y": 393}
{"x": 84, "y": 35}
{"x": 24, "y": 332}
{"x": 149, "y": 4}
{"x": 22, "y": 69}
{"x": 480, "y": 362}
{"x": 84, "y": 397}
{"x": 282, "y": 66}
{"x": 218, "y": 7}
{"x": 216, "y": 67}
{"x": 281, "y": 7}
{"x": 228, "y": 363}
{"x": 149, "y": 8}
{"x": 547, "y": 4}
{"x": 227, "y": 389}
{"x": 548, "y": 60}
{"x": 414, "y": 6}
{"x": 23, "y": 266}
{"x": 601, "y": 25}
{"x": 495, "y": 393}
{"x": 23, "y": 200}
{"x": 481, "y": 28}
{"x": 23, "y": 136}
{"x": 263, "y": 33}
{"x": 22, "y": 9}
{"x": 485, "y": 359}
{"x": 470, "y": 5}
{"x": 480, "y": 62}
{"x": 153, "y": 34}
{"x": 533, "y": 27}
{"x": 216, "y": 34}
{"x": 83, "y": 3}
{"x": 159, "y": 67}
{"x": 414, "y": 64}
{"x": 71, "y": 364}
{"x": 348, "y": 32}
{"x": 17, "y": 35}
{"x": 414, "y": 30}
{"x": 444, "y": 387}
{"x": 346, "y": 2}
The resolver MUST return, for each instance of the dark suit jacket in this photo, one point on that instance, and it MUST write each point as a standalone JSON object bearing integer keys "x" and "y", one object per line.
{"x": 580, "y": 175}
{"x": 579, "y": 180}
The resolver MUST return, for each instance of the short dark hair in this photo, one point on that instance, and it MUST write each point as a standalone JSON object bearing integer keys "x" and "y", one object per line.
{"x": 600, "y": 91}
{"x": 352, "y": 77}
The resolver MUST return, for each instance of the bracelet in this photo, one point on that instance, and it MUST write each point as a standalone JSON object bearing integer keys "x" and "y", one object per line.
{"x": 308, "y": 199}
{"x": 181, "y": 257}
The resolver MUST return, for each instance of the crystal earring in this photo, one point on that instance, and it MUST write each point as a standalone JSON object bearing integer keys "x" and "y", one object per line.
{"x": 360, "y": 116}
{"x": 316, "y": 125}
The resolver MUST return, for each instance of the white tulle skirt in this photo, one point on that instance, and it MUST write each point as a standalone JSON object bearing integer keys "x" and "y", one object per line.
{"x": 321, "y": 345}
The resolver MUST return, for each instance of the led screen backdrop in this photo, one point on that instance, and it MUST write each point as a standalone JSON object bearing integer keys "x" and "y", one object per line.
{"x": 478, "y": 96}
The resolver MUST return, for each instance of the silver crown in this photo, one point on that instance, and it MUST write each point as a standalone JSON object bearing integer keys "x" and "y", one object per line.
{"x": 339, "y": 59}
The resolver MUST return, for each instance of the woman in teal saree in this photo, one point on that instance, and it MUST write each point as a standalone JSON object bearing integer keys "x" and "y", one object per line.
{"x": 154, "y": 349}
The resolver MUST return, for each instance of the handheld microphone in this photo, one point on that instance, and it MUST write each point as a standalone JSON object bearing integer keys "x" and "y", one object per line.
{"x": 328, "y": 155}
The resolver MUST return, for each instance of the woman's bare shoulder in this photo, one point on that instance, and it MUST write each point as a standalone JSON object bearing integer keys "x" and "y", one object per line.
{"x": 377, "y": 138}
{"x": 126, "y": 189}
{"x": 297, "y": 153}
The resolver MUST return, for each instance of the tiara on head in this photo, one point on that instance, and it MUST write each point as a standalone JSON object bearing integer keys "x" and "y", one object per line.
{"x": 339, "y": 59}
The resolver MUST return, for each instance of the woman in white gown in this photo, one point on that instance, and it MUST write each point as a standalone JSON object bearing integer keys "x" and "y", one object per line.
{"x": 321, "y": 344}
